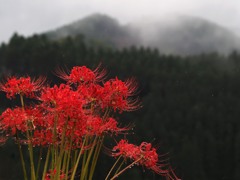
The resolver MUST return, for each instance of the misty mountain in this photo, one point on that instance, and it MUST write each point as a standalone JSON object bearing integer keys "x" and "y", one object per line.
{"x": 97, "y": 29}
{"x": 185, "y": 35}
{"x": 172, "y": 35}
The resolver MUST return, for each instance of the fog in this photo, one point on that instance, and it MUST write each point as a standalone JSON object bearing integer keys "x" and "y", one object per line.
{"x": 183, "y": 34}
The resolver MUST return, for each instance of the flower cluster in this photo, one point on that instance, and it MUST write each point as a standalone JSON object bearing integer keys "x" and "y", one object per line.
{"x": 17, "y": 119}
{"x": 23, "y": 85}
{"x": 144, "y": 155}
{"x": 71, "y": 120}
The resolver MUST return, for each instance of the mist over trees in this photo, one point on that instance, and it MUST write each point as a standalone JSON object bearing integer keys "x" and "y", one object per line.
{"x": 173, "y": 34}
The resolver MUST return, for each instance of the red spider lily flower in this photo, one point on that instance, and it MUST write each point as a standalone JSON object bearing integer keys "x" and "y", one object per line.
{"x": 52, "y": 96}
{"x": 125, "y": 149}
{"x": 93, "y": 125}
{"x": 62, "y": 100}
{"x": 82, "y": 75}
{"x": 24, "y": 86}
{"x": 51, "y": 127}
{"x": 12, "y": 120}
{"x": 144, "y": 155}
{"x": 91, "y": 93}
{"x": 98, "y": 126}
{"x": 111, "y": 125}
{"x": 117, "y": 94}
{"x": 18, "y": 119}
{"x": 149, "y": 153}
{"x": 42, "y": 137}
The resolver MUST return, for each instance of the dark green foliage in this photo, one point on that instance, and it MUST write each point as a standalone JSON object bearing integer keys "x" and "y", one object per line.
{"x": 191, "y": 105}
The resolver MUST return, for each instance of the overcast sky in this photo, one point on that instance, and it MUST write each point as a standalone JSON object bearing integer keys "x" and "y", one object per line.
{"x": 34, "y": 16}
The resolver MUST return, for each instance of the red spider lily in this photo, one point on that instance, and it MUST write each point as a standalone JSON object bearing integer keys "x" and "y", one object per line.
{"x": 92, "y": 93}
{"x": 19, "y": 119}
{"x": 42, "y": 137}
{"x": 12, "y": 120}
{"x": 98, "y": 126}
{"x": 82, "y": 75}
{"x": 117, "y": 94}
{"x": 125, "y": 149}
{"x": 62, "y": 100}
{"x": 24, "y": 86}
{"x": 111, "y": 125}
{"x": 50, "y": 128}
{"x": 54, "y": 97}
{"x": 72, "y": 119}
{"x": 144, "y": 155}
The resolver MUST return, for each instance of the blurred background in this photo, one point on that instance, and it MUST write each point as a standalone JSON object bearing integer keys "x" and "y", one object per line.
{"x": 184, "y": 54}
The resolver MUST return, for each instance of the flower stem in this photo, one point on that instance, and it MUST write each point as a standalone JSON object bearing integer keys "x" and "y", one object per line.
{"x": 118, "y": 169}
{"x": 46, "y": 163}
{"x": 21, "y": 157}
{"x": 113, "y": 167}
{"x": 22, "y": 102}
{"x": 39, "y": 162}
{"x": 69, "y": 153}
{"x": 61, "y": 152}
{"x": 129, "y": 166}
{"x": 78, "y": 159}
{"x": 84, "y": 172}
{"x": 95, "y": 156}
{"x": 30, "y": 147}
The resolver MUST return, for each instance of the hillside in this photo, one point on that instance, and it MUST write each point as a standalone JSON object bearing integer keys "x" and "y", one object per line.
{"x": 185, "y": 35}
{"x": 97, "y": 29}
{"x": 174, "y": 35}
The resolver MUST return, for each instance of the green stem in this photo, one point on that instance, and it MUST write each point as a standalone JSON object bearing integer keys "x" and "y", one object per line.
{"x": 95, "y": 157}
{"x": 64, "y": 160}
{"x": 67, "y": 163}
{"x": 84, "y": 172}
{"x": 46, "y": 163}
{"x": 22, "y": 102}
{"x": 118, "y": 169}
{"x": 74, "y": 159}
{"x": 106, "y": 113}
{"x": 129, "y": 166}
{"x": 62, "y": 150}
{"x": 78, "y": 159}
{"x": 53, "y": 159}
{"x": 54, "y": 146}
{"x": 69, "y": 152}
{"x": 30, "y": 150}
{"x": 113, "y": 167}
{"x": 30, "y": 147}
{"x": 84, "y": 159}
{"x": 85, "y": 155}
{"x": 21, "y": 157}
{"x": 39, "y": 162}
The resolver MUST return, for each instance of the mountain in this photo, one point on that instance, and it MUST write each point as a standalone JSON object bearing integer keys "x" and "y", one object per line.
{"x": 185, "y": 35}
{"x": 96, "y": 28}
{"x": 179, "y": 34}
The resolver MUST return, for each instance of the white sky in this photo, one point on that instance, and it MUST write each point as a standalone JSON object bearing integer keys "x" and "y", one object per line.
{"x": 34, "y": 16}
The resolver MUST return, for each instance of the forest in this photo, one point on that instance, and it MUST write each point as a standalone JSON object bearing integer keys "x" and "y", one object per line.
{"x": 191, "y": 104}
